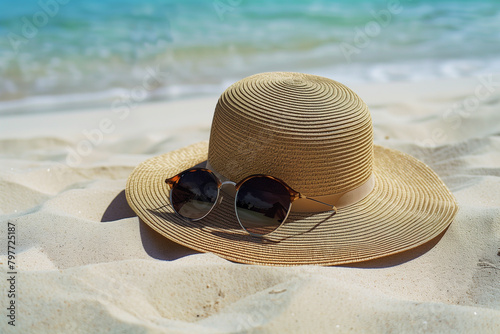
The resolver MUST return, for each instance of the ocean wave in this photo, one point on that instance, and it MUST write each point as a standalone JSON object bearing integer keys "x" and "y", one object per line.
{"x": 92, "y": 52}
{"x": 347, "y": 74}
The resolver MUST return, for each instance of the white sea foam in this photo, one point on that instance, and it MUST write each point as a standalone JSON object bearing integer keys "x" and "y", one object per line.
{"x": 415, "y": 70}
{"x": 93, "y": 52}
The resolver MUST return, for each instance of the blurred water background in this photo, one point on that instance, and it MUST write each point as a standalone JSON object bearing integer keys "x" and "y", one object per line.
{"x": 67, "y": 54}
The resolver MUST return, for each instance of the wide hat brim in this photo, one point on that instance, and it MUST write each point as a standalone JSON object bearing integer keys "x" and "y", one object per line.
{"x": 408, "y": 206}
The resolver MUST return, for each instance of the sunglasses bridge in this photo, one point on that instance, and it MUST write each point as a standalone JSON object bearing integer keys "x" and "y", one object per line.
{"x": 294, "y": 195}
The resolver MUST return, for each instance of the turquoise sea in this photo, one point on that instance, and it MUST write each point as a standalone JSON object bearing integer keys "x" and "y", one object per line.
{"x": 57, "y": 54}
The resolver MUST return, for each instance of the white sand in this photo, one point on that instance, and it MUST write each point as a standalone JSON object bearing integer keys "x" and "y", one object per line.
{"x": 85, "y": 264}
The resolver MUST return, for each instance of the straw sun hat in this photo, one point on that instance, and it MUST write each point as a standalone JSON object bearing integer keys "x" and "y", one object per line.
{"x": 316, "y": 135}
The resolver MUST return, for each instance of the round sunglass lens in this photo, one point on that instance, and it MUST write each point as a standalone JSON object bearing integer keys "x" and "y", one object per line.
{"x": 194, "y": 195}
{"x": 262, "y": 204}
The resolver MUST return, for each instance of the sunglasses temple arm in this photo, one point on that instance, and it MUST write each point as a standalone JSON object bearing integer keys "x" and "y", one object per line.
{"x": 315, "y": 200}
{"x": 171, "y": 181}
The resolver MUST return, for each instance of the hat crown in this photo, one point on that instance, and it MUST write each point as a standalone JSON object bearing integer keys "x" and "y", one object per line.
{"x": 312, "y": 132}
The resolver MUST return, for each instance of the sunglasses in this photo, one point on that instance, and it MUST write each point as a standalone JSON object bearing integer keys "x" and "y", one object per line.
{"x": 262, "y": 202}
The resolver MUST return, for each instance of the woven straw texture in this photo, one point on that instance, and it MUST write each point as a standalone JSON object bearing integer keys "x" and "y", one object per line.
{"x": 319, "y": 141}
{"x": 308, "y": 130}
{"x": 408, "y": 206}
